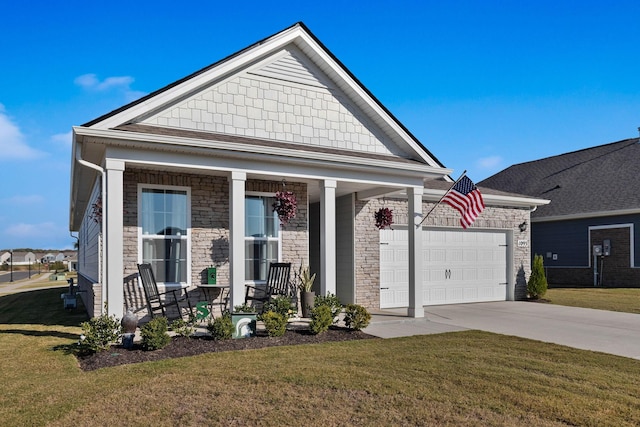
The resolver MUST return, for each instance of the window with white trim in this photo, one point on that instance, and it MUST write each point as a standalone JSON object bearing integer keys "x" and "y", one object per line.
{"x": 262, "y": 236}
{"x": 164, "y": 221}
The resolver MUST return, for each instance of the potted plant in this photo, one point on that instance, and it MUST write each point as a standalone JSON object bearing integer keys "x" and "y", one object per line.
{"x": 384, "y": 218}
{"x": 286, "y": 206}
{"x": 305, "y": 284}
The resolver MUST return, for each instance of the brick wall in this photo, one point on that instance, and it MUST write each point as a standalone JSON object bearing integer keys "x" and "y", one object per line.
{"x": 209, "y": 227}
{"x": 367, "y": 242}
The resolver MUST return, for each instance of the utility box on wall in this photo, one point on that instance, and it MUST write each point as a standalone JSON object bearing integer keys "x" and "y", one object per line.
{"x": 211, "y": 276}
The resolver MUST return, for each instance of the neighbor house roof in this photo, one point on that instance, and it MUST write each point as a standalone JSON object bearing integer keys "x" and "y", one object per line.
{"x": 597, "y": 181}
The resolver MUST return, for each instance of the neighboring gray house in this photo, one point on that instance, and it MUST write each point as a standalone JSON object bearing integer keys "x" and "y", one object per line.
{"x": 185, "y": 179}
{"x": 590, "y": 232}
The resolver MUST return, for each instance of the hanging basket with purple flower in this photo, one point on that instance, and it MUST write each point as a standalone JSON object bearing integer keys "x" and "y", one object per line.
{"x": 384, "y": 218}
{"x": 285, "y": 206}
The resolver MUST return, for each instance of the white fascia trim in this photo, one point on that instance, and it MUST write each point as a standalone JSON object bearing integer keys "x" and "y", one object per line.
{"x": 178, "y": 143}
{"x": 492, "y": 199}
{"x": 585, "y": 215}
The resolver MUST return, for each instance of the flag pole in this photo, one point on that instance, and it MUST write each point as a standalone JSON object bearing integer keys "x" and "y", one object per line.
{"x": 442, "y": 198}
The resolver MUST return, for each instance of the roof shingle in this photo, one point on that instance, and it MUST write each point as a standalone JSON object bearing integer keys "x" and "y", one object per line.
{"x": 597, "y": 179}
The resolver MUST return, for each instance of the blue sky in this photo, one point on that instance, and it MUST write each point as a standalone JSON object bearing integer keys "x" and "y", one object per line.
{"x": 482, "y": 84}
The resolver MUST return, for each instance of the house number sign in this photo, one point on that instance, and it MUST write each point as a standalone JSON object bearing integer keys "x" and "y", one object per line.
{"x": 523, "y": 243}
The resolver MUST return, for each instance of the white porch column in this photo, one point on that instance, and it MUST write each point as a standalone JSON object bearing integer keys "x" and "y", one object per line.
{"x": 113, "y": 249}
{"x": 328, "y": 237}
{"x": 236, "y": 237}
{"x": 415, "y": 251}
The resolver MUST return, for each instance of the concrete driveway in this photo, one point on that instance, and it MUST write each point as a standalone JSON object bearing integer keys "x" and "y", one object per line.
{"x": 587, "y": 329}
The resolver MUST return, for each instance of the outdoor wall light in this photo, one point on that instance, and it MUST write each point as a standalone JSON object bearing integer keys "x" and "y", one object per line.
{"x": 523, "y": 227}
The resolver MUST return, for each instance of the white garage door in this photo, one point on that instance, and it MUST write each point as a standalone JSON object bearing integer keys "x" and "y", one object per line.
{"x": 459, "y": 267}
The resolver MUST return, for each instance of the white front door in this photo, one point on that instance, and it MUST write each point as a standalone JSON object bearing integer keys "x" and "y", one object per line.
{"x": 459, "y": 266}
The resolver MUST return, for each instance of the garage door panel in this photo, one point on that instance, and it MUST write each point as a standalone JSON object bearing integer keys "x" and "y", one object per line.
{"x": 486, "y": 274}
{"x": 487, "y": 291}
{"x": 453, "y": 237}
{"x": 470, "y": 274}
{"x": 454, "y": 294}
{"x": 486, "y": 256}
{"x": 401, "y": 255}
{"x": 432, "y": 296}
{"x": 435, "y": 275}
{"x": 436, "y": 255}
{"x": 459, "y": 266}
{"x": 435, "y": 237}
{"x": 455, "y": 255}
{"x": 470, "y": 293}
{"x": 387, "y": 276}
{"x": 386, "y": 255}
{"x": 470, "y": 255}
{"x": 402, "y": 276}
{"x": 386, "y": 298}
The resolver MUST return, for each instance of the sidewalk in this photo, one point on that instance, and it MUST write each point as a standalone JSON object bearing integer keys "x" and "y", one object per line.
{"x": 22, "y": 285}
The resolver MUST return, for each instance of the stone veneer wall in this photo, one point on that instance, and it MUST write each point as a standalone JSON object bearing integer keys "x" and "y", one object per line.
{"x": 280, "y": 111}
{"x": 367, "y": 241}
{"x": 209, "y": 226}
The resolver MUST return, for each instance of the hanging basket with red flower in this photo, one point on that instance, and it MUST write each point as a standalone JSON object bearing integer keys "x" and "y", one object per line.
{"x": 96, "y": 211}
{"x": 285, "y": 206}
{"x": 384, "y": 218}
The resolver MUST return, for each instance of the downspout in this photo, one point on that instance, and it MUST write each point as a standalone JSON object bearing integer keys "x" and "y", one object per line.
{"x": 103, "y": 226}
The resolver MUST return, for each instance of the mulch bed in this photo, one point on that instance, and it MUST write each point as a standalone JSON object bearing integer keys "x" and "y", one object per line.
{"x": 182, "y": 346}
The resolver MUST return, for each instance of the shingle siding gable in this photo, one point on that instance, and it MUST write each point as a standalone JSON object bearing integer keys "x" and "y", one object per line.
{"x": 293, "y": 104}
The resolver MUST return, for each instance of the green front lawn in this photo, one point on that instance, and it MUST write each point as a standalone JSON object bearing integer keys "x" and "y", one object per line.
{"x": 612, "y": 299}
{"x": 466, "y": 378}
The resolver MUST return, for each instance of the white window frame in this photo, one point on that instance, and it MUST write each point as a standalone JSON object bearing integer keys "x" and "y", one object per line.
{"x": 268, "y": 239}
{"x": 141, "y": 187}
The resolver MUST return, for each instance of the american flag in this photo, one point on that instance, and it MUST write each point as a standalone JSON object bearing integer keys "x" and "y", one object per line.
{"x": 465, "y": 197}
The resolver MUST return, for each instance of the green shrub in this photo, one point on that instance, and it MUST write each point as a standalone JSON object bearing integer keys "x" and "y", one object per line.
{"x": 356, "y": 317}
{"x": 57, "y": 266}
{"x": 244, "y": 308}
{"x": 274, "y": 323}
{"x": 321, "y": 319}
{"x": 282, "y": 305}
{"x": 154, "y": 334}
{"x": 182, "y": 328}
{"x": 537, "y": 285}
{"x": 99, "y": 333}
{"x": 221, "y": 328}
{"x": 331, "y": 301}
